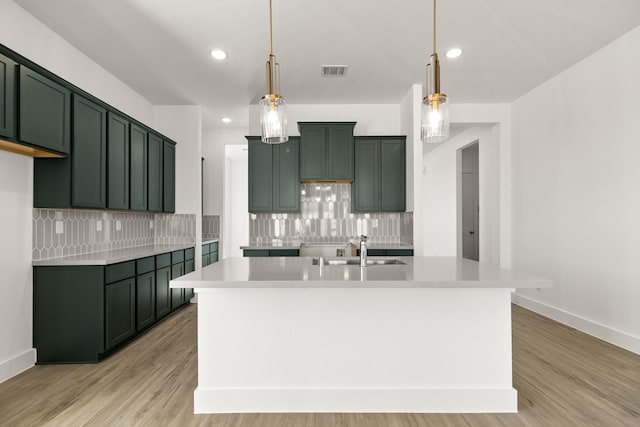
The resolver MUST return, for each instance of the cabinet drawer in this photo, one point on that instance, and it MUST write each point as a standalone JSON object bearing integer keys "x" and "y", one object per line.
{"x": 177, "y": 256}
{"x": 116, "y": 272}
{"x": 189, "y": 253}
{"x": 400, "y": 252}
{"x": 284, "y": 252}
{"x": 255, "y": 252}
{"x": 206, "y": 249}
{"x": 163, "y": 260}
{"x": 145, "y": 265}
{"x": 213, "y": 247}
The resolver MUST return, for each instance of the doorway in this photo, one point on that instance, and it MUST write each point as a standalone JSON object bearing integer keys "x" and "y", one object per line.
{"x": 469, "y": 201}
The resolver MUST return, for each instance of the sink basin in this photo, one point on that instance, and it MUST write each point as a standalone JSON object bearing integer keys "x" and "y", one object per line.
{"x": 356, "y": 261}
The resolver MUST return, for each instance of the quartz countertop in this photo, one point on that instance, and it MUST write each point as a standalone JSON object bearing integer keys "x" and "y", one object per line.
{"x": 297, "y": 245}
{"x": 299, "y": 272}
{"x": 206, "y": 242}
{"x": 113, "y": 256}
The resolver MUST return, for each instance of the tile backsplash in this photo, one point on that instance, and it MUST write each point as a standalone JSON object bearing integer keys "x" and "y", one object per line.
{"x": 59, "y": 233}
{"x": 210, "y": 227}
{"x": 326, "y": 217}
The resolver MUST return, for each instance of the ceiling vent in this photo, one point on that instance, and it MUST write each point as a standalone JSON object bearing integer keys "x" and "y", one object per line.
{"x": 334, "y": 70}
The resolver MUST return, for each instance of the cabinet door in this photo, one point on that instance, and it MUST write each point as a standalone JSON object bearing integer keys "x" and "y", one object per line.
{"x": 163, "y": 306}
{"x": 138, "y": 169}
{"x": 286, "y": 176}
{"x": 169, "y": 177}
{"x": 340, "y": 152}
{"x": 205, "y": 260}
{"x": 260, "y": 176}
{"x": 313, "y": 152}
{"x": 45, "y": 112}
{"x": 392, "y": 176}
{"x": 89, "y": 161}
{"x": 365, "y": 190}
{"x": 118, "y": 162}
{"x": 177, "y": 294}
{"x": 7, "y": 97}
{"x": 119, "y": 311}
{"x": 189, "y": 266}
{"x": 145, "y": 300}
{"x": 155, "y": 173}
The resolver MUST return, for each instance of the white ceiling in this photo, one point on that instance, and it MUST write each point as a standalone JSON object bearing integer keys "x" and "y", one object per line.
{"x": 161, "y": 47}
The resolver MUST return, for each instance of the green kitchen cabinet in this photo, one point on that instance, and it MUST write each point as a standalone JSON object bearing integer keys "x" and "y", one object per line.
{"x": 270, "y": 252}
{"x": 118, "y": 162}
{"x": 274, "y": 176}
{"x": 145, "y": 300}
{"x": 379, "y": 184}
{"x": 177, "y": 294}
{"x": 169, "y": 177}
{"x": 326, "y": 151}
{"x": 7, "y": 97}
{"x": 155, "y": 173}
{"x": 138, "y": 168}
{"x": 89, "y": 159}
{"x": 44, "y": 115}
{"x": 120, "y": 311}
{"x": 163, "y": 304}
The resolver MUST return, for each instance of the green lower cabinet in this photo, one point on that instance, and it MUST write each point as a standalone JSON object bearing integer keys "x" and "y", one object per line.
{"x": 177, "y": 294}
{"x": 7, "y": 97}
{"x": 270, "y": 252}
{"x": 119, "y": 312}
{"x": 145, "y": 300}
{"x": 163, "y": 303}
{"x": 213, "y": 257}
{"x": 379, "y": 184}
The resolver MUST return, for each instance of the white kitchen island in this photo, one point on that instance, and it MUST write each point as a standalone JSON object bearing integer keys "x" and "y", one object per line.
{"x": 283, "y": 335}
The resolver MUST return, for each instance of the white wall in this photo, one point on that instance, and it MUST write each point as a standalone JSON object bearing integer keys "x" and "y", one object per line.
{"x": 372, "y": 119}
{"x": 576, "y": 202}
{"x": 235, "y": 224}
{"x": 440, "y": 194}
{"x": 24, "y": 34}
{"x": 213, "y": 143}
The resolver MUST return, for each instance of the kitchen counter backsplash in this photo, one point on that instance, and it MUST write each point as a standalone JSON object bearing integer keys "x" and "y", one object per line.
{"x": 210, "y": 227}
{"x": 326, "y": 217}
{"x": 63, "y": 233}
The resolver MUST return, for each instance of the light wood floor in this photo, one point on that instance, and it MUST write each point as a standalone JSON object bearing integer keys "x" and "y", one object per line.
{"x": 563, "y": 378}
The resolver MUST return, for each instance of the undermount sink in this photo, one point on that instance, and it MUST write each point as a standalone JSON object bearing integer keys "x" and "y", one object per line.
{"x": 356, "y": 261}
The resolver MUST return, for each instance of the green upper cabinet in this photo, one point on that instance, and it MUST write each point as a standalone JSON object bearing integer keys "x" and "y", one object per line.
{"x": 155, "y": 173}
{"x": 44, "y": 113}
{"x": 260, "y": 176}
{"x": 7, "y": 97}
{"x": 274, "y": 176}
{"x": 326, "y": 151}
{"x": 138, "y": 169}
{"x": 89, "y": 160}
{"x": 169, "y": 177}
{"x": 380, "y": 175}
{"x": 118, "y": 162}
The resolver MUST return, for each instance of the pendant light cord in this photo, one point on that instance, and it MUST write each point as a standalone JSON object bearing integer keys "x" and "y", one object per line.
{"x": 434, "y": 26}
{"x": 270, "y": 29}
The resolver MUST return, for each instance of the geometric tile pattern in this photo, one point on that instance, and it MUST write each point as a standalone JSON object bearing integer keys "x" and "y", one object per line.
{"x": 58, "y": 233}
{"x": 326, "y": 217}
{"x": 210, "y": 227}
{"x": 175, "y": 228}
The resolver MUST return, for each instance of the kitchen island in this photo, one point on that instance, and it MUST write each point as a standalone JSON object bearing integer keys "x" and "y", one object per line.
{"x": 285, "y": 335}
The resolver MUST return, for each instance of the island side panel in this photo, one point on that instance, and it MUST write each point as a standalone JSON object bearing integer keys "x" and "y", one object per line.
{"x": 354, "y": 350}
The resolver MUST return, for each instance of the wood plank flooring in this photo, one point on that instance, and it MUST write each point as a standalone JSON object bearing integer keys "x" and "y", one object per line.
{"x": 563, "y": 378}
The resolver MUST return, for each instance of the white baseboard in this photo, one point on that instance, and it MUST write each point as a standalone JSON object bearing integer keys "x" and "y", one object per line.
{"x": 598, "y": 330}
{"x": 17, "y": 364}
{"x": 449, "y": 400}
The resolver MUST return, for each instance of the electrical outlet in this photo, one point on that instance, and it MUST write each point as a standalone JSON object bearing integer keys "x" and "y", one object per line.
{"x": 59, "y": 227}
{"x": 118, "y": 225}
{"x": 98, "y": 225}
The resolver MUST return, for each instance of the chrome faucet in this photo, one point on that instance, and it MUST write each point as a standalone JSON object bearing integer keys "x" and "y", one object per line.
{"x": 363, "y": 251}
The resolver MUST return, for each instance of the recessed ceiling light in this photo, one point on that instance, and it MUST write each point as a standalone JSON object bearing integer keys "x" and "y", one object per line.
{"x": 218, "y": 54}
{"x": 225, "y": 120}
{"x": 454, "y": 53}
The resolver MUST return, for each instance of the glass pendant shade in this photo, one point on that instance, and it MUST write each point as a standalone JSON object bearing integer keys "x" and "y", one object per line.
{"x": 435, "y": 118}
{"x": 273, "y": 119}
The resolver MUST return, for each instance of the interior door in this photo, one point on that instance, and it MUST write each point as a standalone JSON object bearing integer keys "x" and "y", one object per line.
{"x": 470, "y": 217}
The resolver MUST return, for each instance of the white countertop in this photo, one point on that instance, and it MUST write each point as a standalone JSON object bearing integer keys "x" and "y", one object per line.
{"x": 299, "y": 272}
{"x": 206, "y": 242}
{"x": 297, "y": 245}
{"x": 113, "y": 256}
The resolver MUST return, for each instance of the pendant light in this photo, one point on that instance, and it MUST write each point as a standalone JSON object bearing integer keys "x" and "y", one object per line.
{"x": 435, "y": 108}
{"x": 273, "y": 117}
